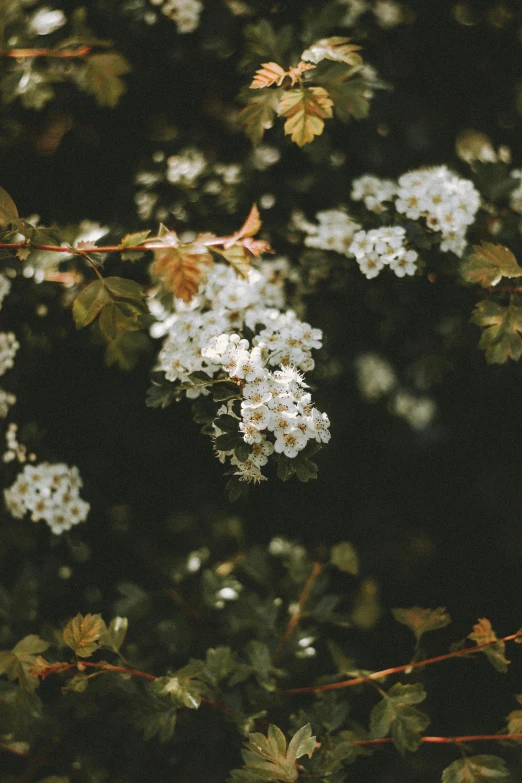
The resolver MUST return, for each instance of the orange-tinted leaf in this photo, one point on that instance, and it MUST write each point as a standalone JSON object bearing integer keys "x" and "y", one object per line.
{"x": 8, "y": 210}
{"x": 420, "y": 621}
{"x": 270, "y": 73}
{"x": 305, "y": 111}
{"x": 103, "y": 74}
{"x": 296, "y": 72}
{"x": 249, "y": 228}
{"x": 182, "y": 268}
{"x": 483, "y": 633}
{"x": 82, "y": 634}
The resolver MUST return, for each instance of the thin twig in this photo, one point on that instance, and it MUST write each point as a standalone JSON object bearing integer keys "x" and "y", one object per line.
{"x": 294, "y": 620}
{"x": 20, "y": 54}
{"x": 398, "y": 669}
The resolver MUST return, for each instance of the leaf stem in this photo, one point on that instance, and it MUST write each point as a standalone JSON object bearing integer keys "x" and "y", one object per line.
{"x": 294, "y": 620}
{"x": 398, "y": 669}
{"x": 446, "y": 740}
{"x": 20, "y": 54}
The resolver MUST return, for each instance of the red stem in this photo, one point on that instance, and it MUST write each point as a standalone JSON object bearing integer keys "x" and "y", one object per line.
{"x": 447, "y": 740}
{"x": 20, "y": 54}
{"x": 398, "y": 669}
{"x": 303, "y": 598}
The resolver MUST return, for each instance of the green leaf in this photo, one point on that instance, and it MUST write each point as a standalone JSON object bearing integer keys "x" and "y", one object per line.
{"x": 420, "y": 621}
{"x": 122, "y": 287}
{"x": 138, "y": 238}
{"x": 16, "y": 663}
{"x": 476, "y": 769}
{"x": 103, "y": 72}
{"x": 126, "y": 349}
{"x": 225, "y": 391}
{"x": 483, "y": 634}
{"x": 8, "y": 210}
{"x": 160, "y": 395}
{"x": 83, "y": 634}
{"x": 263, "y": 42}
{"x": 396, "y": 715}
{"x": 227, "y": 441}
{"x": 258, "y": 115}
{"x": 345, "y": 558}
{"x": 89, "y": 303}
{"x": 349, "y": 93}
{"x": 501, "y": 338}
{"x": 242, "y": 450}
{"x": 269, "y": 758}
{"x": 488, "y": 264}
{"x": 227, "y": 423}
{"x": 114, "y": 634}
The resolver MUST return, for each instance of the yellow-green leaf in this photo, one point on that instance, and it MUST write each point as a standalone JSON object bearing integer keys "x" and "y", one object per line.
{"x": 483, "y": 634}
{"x": 502, "y": 335}
{"x": 345, "y": 558}
{"x": 476, "y": 769}
{"x": 131, "y": 240}
{"x": 238, "y": 258}
{"x": 305, "y": 110}
{"x": 83, "y": 634}
{"x": 420, "y": 621}
{"x": 89, "y": 302}
{"x": 258, "y": 115}
{"x": 488, "y": 264}
{"x": 103, "y": 77}
{"x": 8, "y": 210}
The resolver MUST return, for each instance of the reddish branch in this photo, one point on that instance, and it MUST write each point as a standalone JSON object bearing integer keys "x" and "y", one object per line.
{"x": 447, "y": 740}
{"x": 407, "y": 667}
{"x": 294, "y": 620}
{"x": 20, "y": 54}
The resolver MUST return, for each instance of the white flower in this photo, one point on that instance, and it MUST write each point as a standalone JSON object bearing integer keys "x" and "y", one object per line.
{"x": 45, "y": 21}
{"x": 290, "y": 442}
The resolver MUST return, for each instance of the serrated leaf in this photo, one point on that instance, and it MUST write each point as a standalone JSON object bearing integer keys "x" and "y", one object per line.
{"x": 225, "y": 391}
{"x": 502, "y": 335}
{"x": 89, "y": 303}
{"x": 160, "y": 395}
{"x": 344, "y": 557}
{"x": 181, "y": 268}
{"x": 337, "y": 48}
{"x": 483, "y": 634}
{"x": 396, "y": 715}
{"x": 17, "y": 663}
{"x": 138, "y": 238}
{"x": 268, "y": 74}
{"x": 263, "y": 42}
{"x": 8, "y": 210}
{"x": 103, "y": 77}
{"x": 421, "y": 621}
{"x": 488, "y": 264}
{"x": 269, "y": 758}
{"x": 476, "y": 769}
{"x": 258, "y": 115}
{"x": 305, "y": 110}
{"x": 83, "y": 634}
{"x": 349, "y": 93}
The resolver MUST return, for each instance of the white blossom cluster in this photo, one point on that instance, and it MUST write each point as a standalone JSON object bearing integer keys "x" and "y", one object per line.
{"x": 8, "y": 348}
{"x": 7, "y": 400}
{"x": 382, "y": 247}
{"x": 203, "y": 336}
{"x": 373, "y": 191}
{"x": 448, "y": 203}
{"x": 225, "y": 302}
{"x": 5, "y": 287}
{"x": 376, "y": 379}
{"x": 186, "y": 167}
{"x": 185, "y": 13}
{"x": 277, "y": 413}
{"x": 334, "y": 231}
{"x": 515, "y": 197}
{"x": 387, "y": 13}
{"x": 49, "y": 491}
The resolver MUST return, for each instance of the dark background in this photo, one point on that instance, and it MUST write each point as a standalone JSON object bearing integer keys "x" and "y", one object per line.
{"x": 435, "y": 515}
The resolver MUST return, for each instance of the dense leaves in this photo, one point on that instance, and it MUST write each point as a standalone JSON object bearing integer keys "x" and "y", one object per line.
{"x": 396, "y": 715}
{"x": 269, "y": 757}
